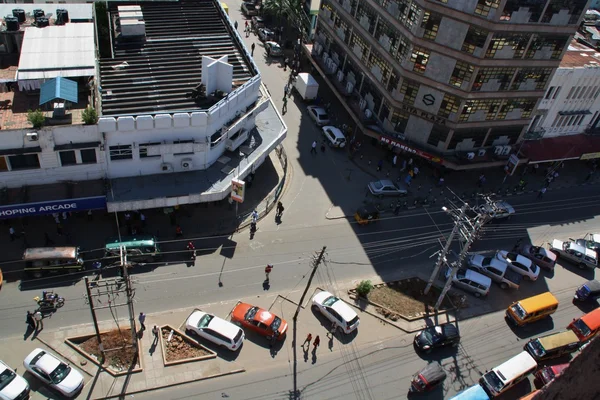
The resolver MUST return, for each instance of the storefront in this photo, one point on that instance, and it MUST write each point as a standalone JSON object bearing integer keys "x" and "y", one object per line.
{"x": 51, "y": 207}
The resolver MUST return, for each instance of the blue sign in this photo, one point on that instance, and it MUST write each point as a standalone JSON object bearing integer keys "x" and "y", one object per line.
{"x": 50, "y": 207}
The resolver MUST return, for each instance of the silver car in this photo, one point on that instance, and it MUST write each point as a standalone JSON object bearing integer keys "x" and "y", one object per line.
{"x": 386, "y": 187}
{"x": 498, "y": 210}
{"x": 318, "y": 114}
{"x": 273, "y": 49}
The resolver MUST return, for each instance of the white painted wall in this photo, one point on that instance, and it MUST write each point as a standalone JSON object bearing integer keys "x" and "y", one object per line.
{"x": 583, "y": 83}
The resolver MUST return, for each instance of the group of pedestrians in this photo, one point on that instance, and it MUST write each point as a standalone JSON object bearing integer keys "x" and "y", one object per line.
{"x": 35, "y": 321}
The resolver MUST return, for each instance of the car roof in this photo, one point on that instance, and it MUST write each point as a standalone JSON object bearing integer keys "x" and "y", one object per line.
{"x": 449, "y": 329}
{"x": 47, "y": 363}
{"x": 558, "y": 339}
{"x": 223, "y": 327}
{"x": 318, "y": 109}
{"x": 547, "y": 253}
{"x": 264, "y": 316}
{"x": 478, "y": 278}
{"x": 494, "y": 262}
{"x": 511, "y": 369}
{"x": 344, "y": 310}
{"x": 336, "y": 132}
{"x": 520, "y": 259}
{"x": 538, "y": 302}
{"x": 388, "y": 182}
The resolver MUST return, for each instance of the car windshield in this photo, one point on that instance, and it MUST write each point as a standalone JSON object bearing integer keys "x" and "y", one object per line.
{"x": 205, "y": 320}
{"x": 518, "y": 310}
{"x": 582, "y": 327}
{"x": 377, "y": 185}
{"x": 323, "y": 115}
{"x": 547, "y": 374}
{"x": 276, "y": 324}
{"x": 6, "y": 377}
{"x": 251, "y": 313}
{"x": 60, "y": 373}
{"x": 534, "y": 250}
{"x": 486, "y": 261}
{"x": 461, "y": 274}
{"x": 537, "y": 348}
{"x": 493, "y": 381}
{"x": 329, "y": 301}
{"x": 585, "y": 291}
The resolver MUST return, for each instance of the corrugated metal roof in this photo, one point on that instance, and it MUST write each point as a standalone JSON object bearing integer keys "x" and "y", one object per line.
{"x": 58, "y": 88}
{"x": 66, "y": 50}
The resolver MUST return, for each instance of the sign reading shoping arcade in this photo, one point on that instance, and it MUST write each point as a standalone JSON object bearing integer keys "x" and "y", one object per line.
{"x": 50, "y": 207}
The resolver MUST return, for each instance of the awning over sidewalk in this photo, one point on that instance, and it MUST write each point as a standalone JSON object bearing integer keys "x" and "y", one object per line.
{"x": 571, "y": 147}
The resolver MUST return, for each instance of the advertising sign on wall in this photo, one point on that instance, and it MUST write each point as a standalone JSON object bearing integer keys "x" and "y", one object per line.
{"x": 238, "y": 189}
{"x": 51, "y": 207}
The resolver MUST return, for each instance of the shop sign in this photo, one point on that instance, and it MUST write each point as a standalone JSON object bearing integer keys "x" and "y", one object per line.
{"x": 238, "y": 190}
{"x": 411, "y": 150}
{"x": 589, "y": 156}
{"x": 51, "y": 207}
{"x": 423, "y": 114}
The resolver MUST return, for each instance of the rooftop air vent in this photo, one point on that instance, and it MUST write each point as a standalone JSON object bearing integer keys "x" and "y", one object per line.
{"x": 38, "y": 13}
{"x": 12, "y": 24}
{"x": 42, "y": 22}
{"x": 62, "y": 16}
{"x": 20, "y": 14}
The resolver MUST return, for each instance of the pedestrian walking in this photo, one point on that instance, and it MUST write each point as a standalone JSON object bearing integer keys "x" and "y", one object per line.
{"x": 555, "y": 175}
{"x": 441, "y": 181}
{"x": 11, "y": 232}
{"x": 143, "y": 220}
{"x": 284, "y": 108}
{"x": 30, "y": 321}
{"x": 252, "y": 48}
{"x": 307, "y": 340}
{"x": 395, "y": 160}
{"x": 332, "y": 330}
{"x": 415, "y": 171}
{"x": 279, "y": 208}
{"x": 246, "y": 24}
{"x": 268, "y": 270}
{"x": 317, "y": 342}
{"x": 178, "y": 231}
{"x": 541, "y": 193}
{"x": 56, "y": 217}
{"x": 235, "y": 25}
{"x": 59, "y": 229}
{"x": 142, "y": 319}
{"x": 39, "y": 320}
{"x": 286, "y": 90}
{"x": 403, "y": 166}
{"x": 155, "y": 332}
{"x": 314, "y": 147}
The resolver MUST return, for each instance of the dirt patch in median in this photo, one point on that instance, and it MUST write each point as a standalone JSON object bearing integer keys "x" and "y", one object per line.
{"x": 180, "y": 349}
{"x": 118, "y": 350}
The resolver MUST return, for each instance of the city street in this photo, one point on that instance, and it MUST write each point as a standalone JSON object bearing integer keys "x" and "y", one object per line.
{"x": 231, "y": 267}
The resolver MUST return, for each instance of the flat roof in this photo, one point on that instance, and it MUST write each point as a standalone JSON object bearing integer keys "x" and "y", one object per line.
{"x": 156, "y": 74}
{"x": 58, "y": 50}
{"x": 579, "y": 55}
{"x": 80, "y": 12}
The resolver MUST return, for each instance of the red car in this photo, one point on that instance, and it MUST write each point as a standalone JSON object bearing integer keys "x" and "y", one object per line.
{"x": 547, "y": 374}
{"x": 258, "y": 320}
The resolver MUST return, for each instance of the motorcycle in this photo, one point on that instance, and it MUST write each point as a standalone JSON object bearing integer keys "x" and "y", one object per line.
{"x": 192, "y": 249}
{"x": 49, "y": 301}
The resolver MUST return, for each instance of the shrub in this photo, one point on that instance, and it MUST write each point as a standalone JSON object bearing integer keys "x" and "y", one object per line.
{"x": 89, "y": 116}
{"x": 364, "y": 288}
{"x": 36, "y": 118}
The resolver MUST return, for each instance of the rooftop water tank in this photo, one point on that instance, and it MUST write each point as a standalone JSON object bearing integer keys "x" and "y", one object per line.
{"x": 20, "y": 14}
{"x": 12, "y": 24}
{"x": 38, "y": 13}
{"x": 62, "y": 16}
{"x": 42, "y": 22}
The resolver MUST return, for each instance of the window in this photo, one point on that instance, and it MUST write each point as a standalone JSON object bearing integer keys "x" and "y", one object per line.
{"x": 400, "y": 120}
{"x": 67, "y": 158}
{"x": 556, "y": 93}
{"x": 500, "y": 74}
{"x": 540, "y": 75}
{"x": 438, "y": 135}
{"x": 121, "y": 152}
{"x": 358, "y": 41}
{"x": 431, "y": 24}
{"x": 366, "y": 16}
{"x": 182, "y": 142}
{"x": 549, "y": 92}
{"x": 375, "y": 60}
{"x": 575, "y": 8}
{"x": 489, "y": 107}
{"x": 485, "y": 6}
{"x": 420, "y": 57}
{"x": 449, "y": 105}
{"x": 516, "y": 41}
{"x": 535, "y": 8}
{"x": 143, "y": 148}
{"x": 3, "y": 164}
{"x": 556, "y": 43}
{"x": 409, "y": 89}
{"x": 24, "y": 161}
{"x": 402, "y": 51}
{"x": 88, "y": 156}
{"x": 525, "y": 105}
{"x": 475, "y": 39}
{"x": 462, "y": 73}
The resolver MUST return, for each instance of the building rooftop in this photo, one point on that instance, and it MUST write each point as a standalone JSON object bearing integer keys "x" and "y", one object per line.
{"x": 157, "y": 74}
{"x": 77, "y": 12}
{"x": 579, "y": 55}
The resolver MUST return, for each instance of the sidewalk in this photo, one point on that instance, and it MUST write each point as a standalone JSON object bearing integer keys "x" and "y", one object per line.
{"x": 198, "y": 220}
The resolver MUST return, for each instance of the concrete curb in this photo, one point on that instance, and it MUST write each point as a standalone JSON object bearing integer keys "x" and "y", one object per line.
{"x": 235, "y": 371}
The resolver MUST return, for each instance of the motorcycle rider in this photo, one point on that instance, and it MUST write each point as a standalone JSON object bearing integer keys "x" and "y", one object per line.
{"x": 192, "y": 249}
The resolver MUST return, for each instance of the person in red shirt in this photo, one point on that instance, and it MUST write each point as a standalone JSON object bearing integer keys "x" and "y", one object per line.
{"x": 268, "y": 270}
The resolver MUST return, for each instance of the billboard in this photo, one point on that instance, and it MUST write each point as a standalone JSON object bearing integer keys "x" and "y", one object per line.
{"x": 55, "y": 206}
{"x": 238, "y": 189}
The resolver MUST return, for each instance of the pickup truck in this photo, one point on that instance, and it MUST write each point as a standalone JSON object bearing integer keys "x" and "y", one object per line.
{"x": 497, "y": 270}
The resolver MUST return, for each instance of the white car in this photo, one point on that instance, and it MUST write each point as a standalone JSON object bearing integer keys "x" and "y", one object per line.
{"x": 519, "y": 264}
{"x": 318, "y": 114}
{"x": 12, "y": 385}
{"x": 215, "y": 329}
{"x": 336, "y": 311}
{"x": 53, "y": 372}
{"x": 334, "y": 136}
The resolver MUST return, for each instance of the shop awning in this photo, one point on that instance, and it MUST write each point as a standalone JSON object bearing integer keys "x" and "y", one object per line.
{"x": 571, "y": 147}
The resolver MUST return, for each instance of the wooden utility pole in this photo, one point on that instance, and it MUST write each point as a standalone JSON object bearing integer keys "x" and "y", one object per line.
{"x": 130, "y": 293}
{"x": 315, "y": 265}
{"x": 94, "y": 318}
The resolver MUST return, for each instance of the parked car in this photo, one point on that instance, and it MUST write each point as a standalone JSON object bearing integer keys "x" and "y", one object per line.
{"x": 53, "y": 372}
{"x": 386, "y": 187}
{"x": 521, "y": 265}
{"x": 542, "y": 257}
{"x": 497, "y": 210}
{"x": 471, "y": 281}
{"x": 249, "y": 9}
{"x": 319, "y": 115}
{"x": 12, "y": 385}
{"x": 428, "y": 378}
{"x": 546, "y": 375}
{"x": 265, "y": 34}
{"x": 437, "y": 336}
{"x": 592, "y": 242}
{"x": 335, "y": 137}
{"x": 257, "y": 22}
{"x": 214, "y": 329}
{"x": 273, "y": 49}
{"x": 259, "y": 320}
{"x": 495, "y": 269}
{"x": 589, "y": 291}
{"x": 336, "y": 310}
{"x": 577, "y": 254}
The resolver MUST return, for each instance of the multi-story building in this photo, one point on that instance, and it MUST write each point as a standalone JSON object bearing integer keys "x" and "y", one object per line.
{"x": 181, "y": 110}
{"x": 444, "y": 77}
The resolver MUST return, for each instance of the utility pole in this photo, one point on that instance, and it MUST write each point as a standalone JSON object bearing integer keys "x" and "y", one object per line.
{"x": 130, "y": 293}
{"x": 442, "y": 255}
{"x": 94, "y": 318}
{"x": 315, "y": 265}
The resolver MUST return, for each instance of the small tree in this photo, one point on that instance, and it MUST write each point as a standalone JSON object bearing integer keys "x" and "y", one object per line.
{"x": 36, "y": 118}
{"x": 89, "y": 116}
{"x": 364, "y": 288}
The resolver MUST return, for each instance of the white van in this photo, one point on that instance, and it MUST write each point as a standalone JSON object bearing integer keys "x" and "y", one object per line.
{"x": 508, "y": 374}
{"x": 471, "y": 281}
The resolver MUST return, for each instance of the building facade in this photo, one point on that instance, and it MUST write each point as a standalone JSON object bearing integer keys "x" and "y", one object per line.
{"x": 447, "y": 76}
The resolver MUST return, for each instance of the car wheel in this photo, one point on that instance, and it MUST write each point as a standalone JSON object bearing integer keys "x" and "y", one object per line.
{"x": 581, "y": 266}
{"x": 190, "y": 332}
{"x": 504, "y": 285}
{"x": 477, "y": 294}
